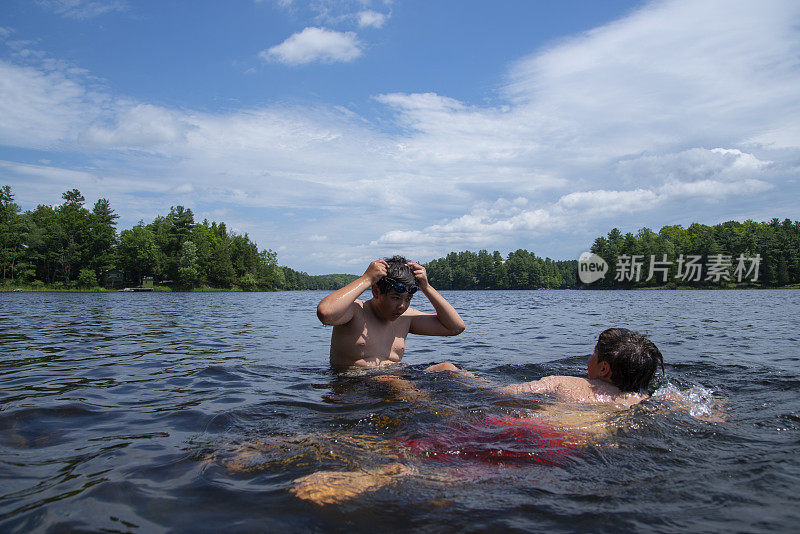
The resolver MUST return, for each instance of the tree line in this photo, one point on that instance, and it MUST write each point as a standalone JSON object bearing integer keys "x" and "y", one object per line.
{"x": 71, "y": 246}
{"x": 521, "y": 269}
{"x": 767, "y": 253}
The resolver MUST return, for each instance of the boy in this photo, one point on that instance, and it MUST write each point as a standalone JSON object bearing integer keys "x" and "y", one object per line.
{"x": 619, "y": 371}
{"x": 373, "y": 333}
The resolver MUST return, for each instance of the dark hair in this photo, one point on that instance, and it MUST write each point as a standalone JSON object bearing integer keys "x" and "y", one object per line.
{"x": 633, "y": 358}
{"x": 399, "y": 271}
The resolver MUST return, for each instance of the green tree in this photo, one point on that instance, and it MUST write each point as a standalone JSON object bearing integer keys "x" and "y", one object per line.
{"x": 248, "y": 282}
{"x": 189, "y": 271}
{"x": 102, "y": 236}
{"x": 137, "y": 253}
{"x": 171, "y": 232}
{"x": 268, "y": 273}
{"x": 221, "y": 273}
{"x": 87, "y": 278}
{"x": 72, "y": 234}
{"x": 11, "y": 235}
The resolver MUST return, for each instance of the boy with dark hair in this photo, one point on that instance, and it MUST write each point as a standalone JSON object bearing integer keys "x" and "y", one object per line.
{"x": 619, "y": 372}
{"x": 373, "y": 333}
{"x": 630, "y": 358}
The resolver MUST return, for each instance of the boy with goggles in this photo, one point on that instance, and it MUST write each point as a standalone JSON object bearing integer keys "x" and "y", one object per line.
{"x": 373, "y": 333}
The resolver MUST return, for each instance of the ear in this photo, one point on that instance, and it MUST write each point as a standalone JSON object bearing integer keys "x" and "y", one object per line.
{"x": 375, "y": 291}
{"x": 603, "y": 369}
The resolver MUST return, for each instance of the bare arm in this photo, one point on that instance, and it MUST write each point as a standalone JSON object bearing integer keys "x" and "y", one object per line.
{"x": 446, "y": 322}
{"x": 337, "y": 308}
{"x": 534, "y": 386}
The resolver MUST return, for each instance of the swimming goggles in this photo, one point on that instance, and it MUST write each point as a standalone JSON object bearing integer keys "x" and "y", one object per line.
{"x": 399, "y": 286}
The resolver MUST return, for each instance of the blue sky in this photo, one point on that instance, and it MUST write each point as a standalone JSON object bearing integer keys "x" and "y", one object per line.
{"x": 338, "y": 131}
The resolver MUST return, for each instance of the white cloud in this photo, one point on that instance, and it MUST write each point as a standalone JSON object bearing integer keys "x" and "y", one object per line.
{"x": 142, "y": 127}
{"x": 333, "y": 13}
{"x": 184, "y": 189}
{"x": 83, "y": 9}
{"x": 727, "y": 165}
{"x": 713, "y": 189}
{"x": 371, "y": 19}
{"x": 52, "y": 174}
{"x": 315, "y": 45}
{"x": 671, "y": 73}
{"x": 603, "y": 202}
{"x": 43, "y": 108}
{"x": 482, "y": 225}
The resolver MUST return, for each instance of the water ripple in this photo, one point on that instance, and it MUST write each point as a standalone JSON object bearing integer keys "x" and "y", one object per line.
{"x": 195, "y": 412}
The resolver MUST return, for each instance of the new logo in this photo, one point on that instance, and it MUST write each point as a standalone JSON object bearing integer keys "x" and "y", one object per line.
{"x": 591, "y": 267}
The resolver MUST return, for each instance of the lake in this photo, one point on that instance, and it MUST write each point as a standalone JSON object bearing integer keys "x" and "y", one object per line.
{"x": 196, "y": 412}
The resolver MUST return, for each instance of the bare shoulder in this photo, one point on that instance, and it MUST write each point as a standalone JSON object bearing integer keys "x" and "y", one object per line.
{"x": 556, "y": 381}
{"x": 571, "y": 388}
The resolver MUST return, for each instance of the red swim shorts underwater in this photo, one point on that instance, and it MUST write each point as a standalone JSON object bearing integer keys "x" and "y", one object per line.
{"x": 497, "y": 440}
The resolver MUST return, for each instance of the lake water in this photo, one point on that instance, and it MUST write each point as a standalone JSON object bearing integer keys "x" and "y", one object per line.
{"x": 197, "y": 412}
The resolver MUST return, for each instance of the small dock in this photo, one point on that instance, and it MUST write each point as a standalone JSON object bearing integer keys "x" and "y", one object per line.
{"x": 146, "y": 285}
{"x": 134, "y": 289}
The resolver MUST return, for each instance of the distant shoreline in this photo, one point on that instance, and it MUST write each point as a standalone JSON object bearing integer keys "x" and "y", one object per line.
{"x": 158, "y": 289}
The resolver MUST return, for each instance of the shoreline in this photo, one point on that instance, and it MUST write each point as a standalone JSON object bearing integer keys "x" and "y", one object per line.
{"x": 167, "y": 289}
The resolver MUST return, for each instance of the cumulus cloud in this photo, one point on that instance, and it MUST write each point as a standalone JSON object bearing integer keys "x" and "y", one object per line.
{"x": 695, "y": 164}
{"x": 371, "y": 19}
{"x": 315, "y": 45}
{"x": 482, "y": 225}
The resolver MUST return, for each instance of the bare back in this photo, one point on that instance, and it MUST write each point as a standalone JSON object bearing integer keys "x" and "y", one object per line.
{"x": 366, "y": 341}
{"x": 576, "y": 389}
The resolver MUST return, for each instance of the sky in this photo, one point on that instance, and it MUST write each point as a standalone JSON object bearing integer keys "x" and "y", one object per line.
{"x": 339, "y": 131}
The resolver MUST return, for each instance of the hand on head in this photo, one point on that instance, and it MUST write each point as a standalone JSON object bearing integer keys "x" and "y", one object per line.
{"x": 420, "y": 274}
{"x": 376, "y": 270}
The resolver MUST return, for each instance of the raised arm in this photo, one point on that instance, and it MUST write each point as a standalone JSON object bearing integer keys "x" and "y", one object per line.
{"x": 337, "y": 308}
{"x": 446, "y": 322}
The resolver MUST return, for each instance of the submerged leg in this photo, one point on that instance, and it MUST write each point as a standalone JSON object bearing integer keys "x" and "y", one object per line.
{"x": 447, "y": 366}
{"x": 403, "y": 390}
{"x": 330, "y": 487}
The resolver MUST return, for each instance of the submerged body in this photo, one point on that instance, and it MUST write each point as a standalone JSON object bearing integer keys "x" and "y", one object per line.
{"x": 618, "y": 372}
{"x": 577, "y": 389}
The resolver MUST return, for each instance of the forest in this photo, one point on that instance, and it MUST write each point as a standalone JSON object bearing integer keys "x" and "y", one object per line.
{"x": 775, "y": 244}
{"x": 519, "y": 270}
{"x": 69, "y": 246}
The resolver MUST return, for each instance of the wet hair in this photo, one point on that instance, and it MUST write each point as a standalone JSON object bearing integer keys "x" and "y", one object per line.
{"x": 399, "y": 271}
{"x": 632, "y": 357}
